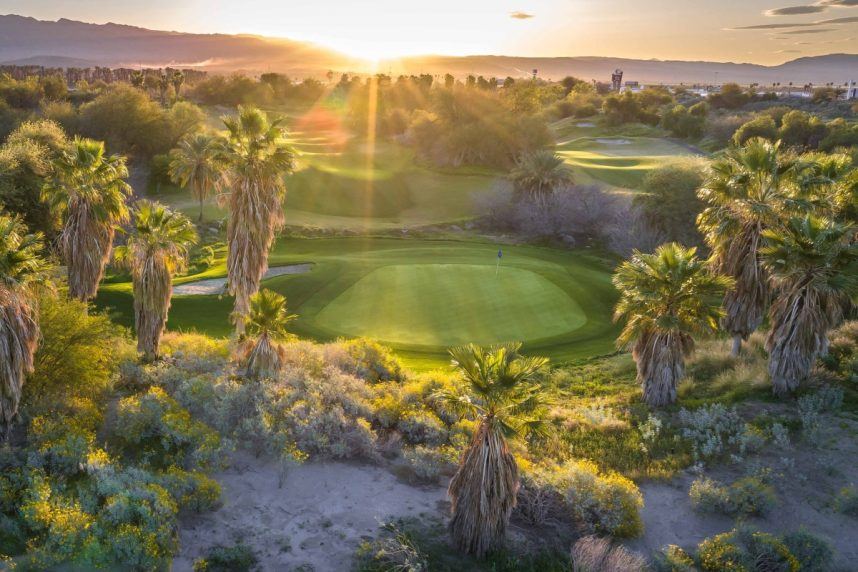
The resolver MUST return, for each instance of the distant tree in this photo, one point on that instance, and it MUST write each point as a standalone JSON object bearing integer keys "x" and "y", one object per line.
{"x": 761, "y": 126}
{"x": 666, "y": 299}
{"x": 813, "y": 264}
{"x": 500, "y": 393}
{"x": 163, "y": 87}
{"x": 177, "y": 79}
{"x": 449, "y": 81}
{"x": 87, "y": 190}
{"x": 196, "y": 163}
{"x": 508, "y": 82}
{"x": 732, "y": 96}
{"x": 21, "y": 266}
{"x": 156, "y": 249}
{"x": 801, "y": 130}
{"x": 266, "y": 325}
{"x": 538, "y": 174}
{"x": 682, "y": 123}
{"x": 137, "y": 79}
{"x": 669, "y": 201}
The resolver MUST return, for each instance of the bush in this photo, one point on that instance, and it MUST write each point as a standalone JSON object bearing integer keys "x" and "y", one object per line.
{"x": 395, "y": 550}
{"x": 372, "y": 361}
{"x": 746, "y": 550}
{"x": 594, "y": 554}
{"x": 428, "y": 464}
{"x": 673, "y": 559}
{"x": 812, "y": 406}
{"x": 669, "y": 202}
{"x": 237, "y": 558}
{"x": 761, "y": 126}
{"x": 846, "y": 500}
{"x": 707, "y": 495}
{"x": 422, "y": 428}
{"x": 711, "y": 429}
{"x": 812, "y": 552}
{"x": 748, "y": 496}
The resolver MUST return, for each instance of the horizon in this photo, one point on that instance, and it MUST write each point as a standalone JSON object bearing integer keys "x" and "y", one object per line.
{"x": 761, "y": 32}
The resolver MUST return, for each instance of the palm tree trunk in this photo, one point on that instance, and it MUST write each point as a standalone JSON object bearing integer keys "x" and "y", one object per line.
{"x": 737, "y": 345}
{"x": 660, "y": 359}
{"x": 201, "y": 209}
{"x": 19, "y": 335}
{"x": 153, "y": 291}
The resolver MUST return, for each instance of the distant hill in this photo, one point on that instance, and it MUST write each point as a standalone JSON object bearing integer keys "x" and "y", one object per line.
{"x": 68, "y": 43}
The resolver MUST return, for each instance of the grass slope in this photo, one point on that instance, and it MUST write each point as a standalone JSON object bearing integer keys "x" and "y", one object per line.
{"x": 421, "y": 296}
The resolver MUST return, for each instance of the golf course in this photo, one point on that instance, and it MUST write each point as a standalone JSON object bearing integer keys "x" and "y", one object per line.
{"x": 421, "y": 296}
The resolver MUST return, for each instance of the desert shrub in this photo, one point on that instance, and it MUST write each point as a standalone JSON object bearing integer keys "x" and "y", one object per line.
{"x": 191, "y": 490}
{"x": 843, "y": 350}
{"x": 236, "y": 558}
{"x": 720, "y": 129}
{"x": 812, "y": 552}
{"x": 154, "y": 428}
{"x": 195, "y": 352}
{"x": 537, "y": 502}
{"x": 748, "y": 496}
{"x": 63, "y": 442}
{"x": 606, "y": 503}
{"x": 846, "y": 500}
{"x": 761, "y": 126}
{"x": 422, "y": 427}
{"x": 372, "y": 361}
{"x": 672, "y": 558}
{"x": 669, "y": 202}
{"x": 708, "y": 495}
{"x": 812, "y": 406}
{"x": 746, "y": 550}
{"x": 429, "y": 464}
{"x": 395, "y": 550}
{"x": 594, "y": 554}
{"x": 711, "y": 429}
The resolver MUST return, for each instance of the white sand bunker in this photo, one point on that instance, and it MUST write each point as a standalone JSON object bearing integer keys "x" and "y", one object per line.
{"x": 585, "y": 124}
{"x": 605, "y": 141}
{"x": 316, "y": 519}
{"x": 218, "y": 285}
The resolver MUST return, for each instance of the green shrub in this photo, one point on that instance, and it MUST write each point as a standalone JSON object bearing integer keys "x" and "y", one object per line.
{"x": 428, "y": 464}
{"x": 748, "y": 496}
{"x": 672, "y": 558}
{"x": 192, "y": 491}
{"x": 394, "y": 550}
{"x": 594, "y": 554}
{"x": 63, "y": 444}
{"x": 846, "y": 500}
{"x": 372, "y": 361}
{"x": 237, "y": 558}
{"x": 422, "y": 428}
{"x": 707, "y": 495}
{"x": 746, "y": 550}
{"x": 813, "y": 553}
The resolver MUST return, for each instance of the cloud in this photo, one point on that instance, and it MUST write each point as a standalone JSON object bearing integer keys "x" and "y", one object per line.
{"x": 847, "y": 20}
{"x": 842, "y": 3}
{"x": 813, "y": 31}
{"x": 774, "y": 26}
{"x": 518, "y": 15}
{"x": 793, "y": 10}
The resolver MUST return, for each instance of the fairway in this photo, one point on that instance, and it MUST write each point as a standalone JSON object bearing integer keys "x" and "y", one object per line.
{"x": 422, "y": 296}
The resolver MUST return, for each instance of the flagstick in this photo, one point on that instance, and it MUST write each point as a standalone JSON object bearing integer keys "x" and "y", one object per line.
{"x": 497, "y": 268}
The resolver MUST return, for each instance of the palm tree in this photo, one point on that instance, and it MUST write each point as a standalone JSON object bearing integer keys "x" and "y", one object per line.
{"x": 501, "y": 394}
{"x": 156, "y": 249}
{"x": 137, "y": 79}
{"x": 666, "y": 298}
{"x": 177, "y": 79}
{"x": 745, "y": 194}
{"x": 813, "y": 263}
{"x": 163, "y": 86}
{"x": 266, "y": 325}
{"x": 21, "y": 266}
{"x": 196, "y": 163}
{"x": 257, "y": 158}
{"x": 88, "y": 191}
{"x": 539, "y": 174}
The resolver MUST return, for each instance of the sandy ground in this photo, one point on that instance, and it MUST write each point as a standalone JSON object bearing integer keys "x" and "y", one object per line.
{"x": 805, "y": 484}
{"x": 316, "y": 519}
{"x": 217, "y": 285}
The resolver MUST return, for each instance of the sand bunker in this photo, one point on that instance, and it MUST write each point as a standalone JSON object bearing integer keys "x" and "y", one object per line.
{"x": 604, "y": 141}
{"x": 218, "y": 285}
{"x": 316, "y": 519}
{"x": 585, "y": 124}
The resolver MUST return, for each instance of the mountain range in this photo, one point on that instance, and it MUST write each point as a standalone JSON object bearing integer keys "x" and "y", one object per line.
{"x": 69, "y": 43}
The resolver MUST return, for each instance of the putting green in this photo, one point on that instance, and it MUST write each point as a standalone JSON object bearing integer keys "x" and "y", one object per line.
{"x": 449, "y": 304}
{"x": 421, "y": 296}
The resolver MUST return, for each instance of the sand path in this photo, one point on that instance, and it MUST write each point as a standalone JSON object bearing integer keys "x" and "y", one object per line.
{"x": 218, "y": 285}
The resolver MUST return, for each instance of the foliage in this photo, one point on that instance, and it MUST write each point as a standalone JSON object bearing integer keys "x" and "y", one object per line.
{"x": 748, "y": 496}
{"x": 812, "y": 552}
{"x": 846, "y": 500}
{"x": 669, "y": 200}
{"x": 745, "y": 550}
{"x": 539, "y": 174}
{"x": 812, "y": 406}
{"x": 762, "y": 127}
{"x": 395, "y": 551}
{"x": 236, "y": 558}
{"x": 594, "y": 554}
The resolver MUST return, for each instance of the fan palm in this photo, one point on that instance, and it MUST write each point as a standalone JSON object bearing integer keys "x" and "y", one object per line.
{"x": 87, "y": 190}
{"x": 501, "y": 394}
{"x": 163, "y": 86}
{"x": 196, "y": 163}
{"x": 266, "y": 324}
{"x": 813, "y": 263}
{"x": 137, "y": 79}
{"x": 666, "y": 299}
{"x": 177, "y": 79}
{"x": 156, "y": 249}
{"x": 21, "y": 265}
{"x": 745, "y": 193}
{"x": 539, "y": 174}
{"x": 257, "y": 158}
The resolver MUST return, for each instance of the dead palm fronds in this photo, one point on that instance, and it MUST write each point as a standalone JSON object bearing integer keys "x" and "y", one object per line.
{"x": 666, "y": 298}
{"x": 500, "y": 394}
{"x": 88, "y": 191}
{"x": 156, "y": 249}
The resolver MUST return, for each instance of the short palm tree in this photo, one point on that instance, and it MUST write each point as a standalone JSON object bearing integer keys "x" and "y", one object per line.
{"x": 538, "y": 174}
{"x": 256, "y": 158}
{"x": 88, "y": 191}
{"x": 163, "y": 87}
{"x": 156, "y": 249}
{"x": 666, "y": 299}
{"x": 266, "y": 325}
{"x": 813, "y": 263}
{"x": 501, "y": 395}
{"x": 21, "y": 266}
{"x": 196, "y": 164}
{"x": 137, "y": 79}
{"x": 177, "y": 79}
{"x": 746, "y": 192}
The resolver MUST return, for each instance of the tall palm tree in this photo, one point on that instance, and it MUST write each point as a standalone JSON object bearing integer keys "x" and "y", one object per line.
{"x": 177, "y": 79}
{"x": 163, "y": 86}
{"x": 21, "y": 265}
{"x": 501, "y": 394}
{"x": 156, "y": 249}
{"x": 813, "y": 263}
{"x": 538, "y": 174}
{"x": 257, "y": 158}
{"x": 746, "y": 192}
{"x": 266, "y": 326}
{"x": 196, "y": 163}
{"x": 87, "y": 190}
{"x": 666, "y": 299}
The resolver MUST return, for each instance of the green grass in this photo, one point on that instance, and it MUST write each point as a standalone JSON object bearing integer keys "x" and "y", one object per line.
{"x": 421, "y": 296}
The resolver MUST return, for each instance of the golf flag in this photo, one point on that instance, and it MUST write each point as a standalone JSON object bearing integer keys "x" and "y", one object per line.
{"x": 500, "y": 253}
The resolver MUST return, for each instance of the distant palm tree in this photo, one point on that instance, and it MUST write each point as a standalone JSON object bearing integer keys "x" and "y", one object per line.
{"x": 501, "y": 394}
{"x": 829, "y": 181}
{"x": 196, "y": 163}
{"x": 21, "y": 265}
{"x": 88, "y": 191}
{"x": 746, "y": 193}
{"x": 157, "y": 248}
{"x": 177, "y": 79}
{"x": 257, "y": 158}
{"x": 163, "y": 86}
{"x": 266, "y": 325}
{"x": 538, "y": 174}
{"x": 137, "y": 79}
{"x": 813, "y": 263}
{"x": 666, "y": 299}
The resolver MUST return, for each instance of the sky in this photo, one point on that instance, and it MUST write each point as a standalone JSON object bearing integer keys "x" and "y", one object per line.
{"x": 757, "y": 31}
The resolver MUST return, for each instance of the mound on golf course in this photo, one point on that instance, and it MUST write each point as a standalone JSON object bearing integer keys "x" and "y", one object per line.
{"x": 422, "y": 296}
